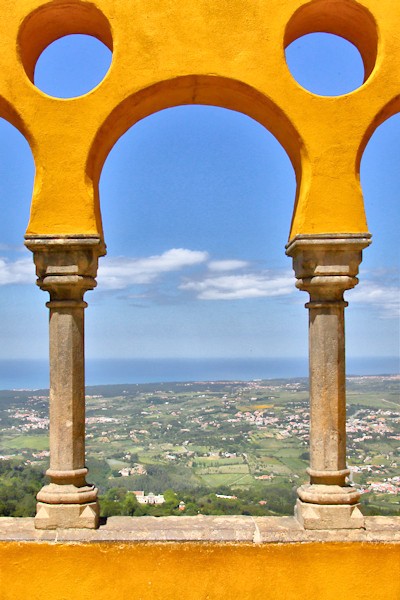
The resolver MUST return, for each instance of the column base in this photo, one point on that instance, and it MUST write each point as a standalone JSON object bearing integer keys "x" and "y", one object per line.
{"x": 67, "y": 516}
{"x": 318, "y": 493}
{"x": 67, "y": 506}
{"x": 329, "y": 516}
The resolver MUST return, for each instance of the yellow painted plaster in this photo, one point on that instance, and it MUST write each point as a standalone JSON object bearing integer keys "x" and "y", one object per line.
{"x": 228, "y": 53}
{"x": 152, "y": 571}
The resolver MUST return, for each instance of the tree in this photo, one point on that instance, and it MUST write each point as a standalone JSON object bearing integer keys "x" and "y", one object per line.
{"x": 171, "y": 499}
{"x": 130, "y": 505}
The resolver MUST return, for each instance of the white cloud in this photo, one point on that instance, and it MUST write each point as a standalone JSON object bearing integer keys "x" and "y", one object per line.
{"x": 20, "y": 271}
{"x": 386, "y": 299}
{"x": 119, "y": 273}
{"x": 238, "y": 287}
{"x": 227, "y": 265}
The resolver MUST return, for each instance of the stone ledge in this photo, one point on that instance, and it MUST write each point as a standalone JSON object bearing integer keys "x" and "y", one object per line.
{"x": 214, "y": 529}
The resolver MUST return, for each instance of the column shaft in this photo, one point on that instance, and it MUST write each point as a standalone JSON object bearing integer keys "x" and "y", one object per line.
{"x": 67, "y": 386}
{"x": 327, "y": 393}
{"x": 66, "y": 268}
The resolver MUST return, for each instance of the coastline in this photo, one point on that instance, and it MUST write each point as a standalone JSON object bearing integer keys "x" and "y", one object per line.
{"x": 33, "y": 374}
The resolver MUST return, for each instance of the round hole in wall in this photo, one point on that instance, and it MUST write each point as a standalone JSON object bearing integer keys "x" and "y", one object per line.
{"x": 65, "y": 47}
{"x": 331, "y": 46}
{"x": 325, "y": 64}
{"x": 72, "y": 66}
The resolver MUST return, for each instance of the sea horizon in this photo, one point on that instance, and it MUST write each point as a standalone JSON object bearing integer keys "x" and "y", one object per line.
{"x": 33, "y": 374}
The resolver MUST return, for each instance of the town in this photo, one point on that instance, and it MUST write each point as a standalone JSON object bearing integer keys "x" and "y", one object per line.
{"x": 210, "y": 447}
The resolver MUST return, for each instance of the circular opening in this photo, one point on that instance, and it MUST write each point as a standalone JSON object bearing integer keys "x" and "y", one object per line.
{"x": 325, "y": 64}
{"x": 72, "y": 66}
{"x": 65, "y": 47}
{"x": 331, "y": 46}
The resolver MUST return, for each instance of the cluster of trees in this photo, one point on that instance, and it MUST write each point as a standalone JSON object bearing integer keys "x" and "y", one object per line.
{"x": 371, "y": 509}
{"x": 279, "y": 501}
{"x": 159, "y": 478}
{"x": 19, "y": 485}
{"x": 119, "y": 501}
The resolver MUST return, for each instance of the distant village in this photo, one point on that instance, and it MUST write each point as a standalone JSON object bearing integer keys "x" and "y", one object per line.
{"x": 232, "y": 433}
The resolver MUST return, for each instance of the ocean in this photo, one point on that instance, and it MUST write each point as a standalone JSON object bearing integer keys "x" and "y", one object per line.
{"x": 33, "y": 374}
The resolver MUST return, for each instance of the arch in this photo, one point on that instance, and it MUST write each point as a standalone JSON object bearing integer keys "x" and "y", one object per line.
{"x": 20, "y": 151}
{"x": 174, "y": 200}
{"x": 377, "y": 293}
{"x": 10, "y": 114}
{"x": 17, "y": 276}
{"x": 389, "y": 110}
{"x": 380, "y": 170}
{"x": 193, "y": 89}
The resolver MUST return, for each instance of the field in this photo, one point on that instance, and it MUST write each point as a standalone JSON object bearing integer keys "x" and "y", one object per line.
{"x": 26, "y": 442}
{"x": 224, "y": 437}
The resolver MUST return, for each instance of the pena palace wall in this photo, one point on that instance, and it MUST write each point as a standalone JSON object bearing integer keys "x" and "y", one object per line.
{"x": 229, "y": 54}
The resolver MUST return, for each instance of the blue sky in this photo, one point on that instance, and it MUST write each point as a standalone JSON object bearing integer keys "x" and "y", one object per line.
{"x": 196, "y": 203}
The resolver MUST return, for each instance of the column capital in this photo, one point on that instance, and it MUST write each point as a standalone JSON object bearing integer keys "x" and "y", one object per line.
{"x": 66, "y": 266}
{"x": 326, "y": 265}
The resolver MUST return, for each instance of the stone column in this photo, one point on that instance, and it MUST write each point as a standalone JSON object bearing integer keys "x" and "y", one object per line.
{"x": 326, "y": 266}
{"x": 66, "y": 268}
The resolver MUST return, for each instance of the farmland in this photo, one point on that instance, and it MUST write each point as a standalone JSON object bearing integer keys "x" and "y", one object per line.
{"x": 245, "y": 439}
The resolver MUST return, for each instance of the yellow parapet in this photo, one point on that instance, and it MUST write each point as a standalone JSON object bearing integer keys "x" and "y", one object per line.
{"x": 228, "y": 54}
{"x": 152, "y": 571}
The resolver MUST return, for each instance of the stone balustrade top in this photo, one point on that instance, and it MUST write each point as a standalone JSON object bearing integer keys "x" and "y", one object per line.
{"x": 201, "y": 528}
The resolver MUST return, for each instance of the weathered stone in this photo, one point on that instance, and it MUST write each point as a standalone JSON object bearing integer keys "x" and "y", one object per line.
{"x": 65, "y": 516}
{"x": 326, "y": 266}
{"x": 200, "y": 528}
{"x": 328, "y": 494}
{"x": 329, "y": 516}
{"x": 66, "y": 268}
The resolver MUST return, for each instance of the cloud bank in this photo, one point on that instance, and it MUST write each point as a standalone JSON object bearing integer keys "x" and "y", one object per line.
{"x": 226, "y": 265}
{"x": 20, "y": 271}
{"x": 386, "y": 299}
{"x": 216, "y": 279}
{"x": 120, "y": 273}
{"x": 238, "y": 287}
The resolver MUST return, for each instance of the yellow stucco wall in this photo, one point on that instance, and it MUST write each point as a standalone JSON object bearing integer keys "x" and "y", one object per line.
{"x": 112, "y": 571}
{"x": 228, "y": 53}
